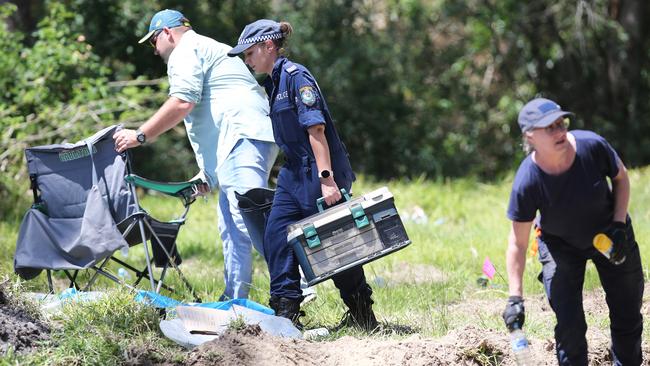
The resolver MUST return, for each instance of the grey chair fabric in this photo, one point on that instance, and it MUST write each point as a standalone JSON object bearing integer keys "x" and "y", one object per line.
{"x": 82, "y": 196}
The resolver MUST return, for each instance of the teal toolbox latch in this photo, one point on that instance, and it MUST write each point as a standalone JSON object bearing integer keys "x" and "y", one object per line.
{"x": 360, "y": 218}
{"x": 311, "y": 236}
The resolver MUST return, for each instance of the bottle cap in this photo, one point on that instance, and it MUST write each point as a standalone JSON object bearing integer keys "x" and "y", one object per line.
{"x": 602, "y": 242}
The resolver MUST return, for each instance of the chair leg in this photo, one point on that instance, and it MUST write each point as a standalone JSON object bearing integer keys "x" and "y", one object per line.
{"x": 162, "y": 277}
{"x": 146, "y": 252}
{"x": 142, "y": 274}
{"x": 72, "y": 278}
{"x": 95, "y": 275}
{"x": 111, "y": 277}
{"x": 49, "y": 281}
{"x": 171, "y": 261}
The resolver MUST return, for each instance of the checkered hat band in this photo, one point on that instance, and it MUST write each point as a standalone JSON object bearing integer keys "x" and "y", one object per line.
{"x": 260, "y": 38}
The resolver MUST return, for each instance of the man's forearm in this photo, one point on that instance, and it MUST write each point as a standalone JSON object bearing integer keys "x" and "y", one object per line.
{"x": 167, "y": 116}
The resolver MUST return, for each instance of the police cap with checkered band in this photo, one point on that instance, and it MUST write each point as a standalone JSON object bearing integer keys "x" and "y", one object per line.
{"x": 258, "y": 31}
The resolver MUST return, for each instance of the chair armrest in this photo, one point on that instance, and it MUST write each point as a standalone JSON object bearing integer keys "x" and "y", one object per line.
{"x": 176, "y": 189}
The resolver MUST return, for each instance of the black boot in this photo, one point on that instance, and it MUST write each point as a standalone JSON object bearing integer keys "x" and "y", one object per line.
{"x": 360, "y": 312}
{"x": 287, "y": 308}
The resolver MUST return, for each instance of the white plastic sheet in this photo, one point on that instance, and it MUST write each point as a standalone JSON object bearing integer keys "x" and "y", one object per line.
{"x": 190, "y": 328}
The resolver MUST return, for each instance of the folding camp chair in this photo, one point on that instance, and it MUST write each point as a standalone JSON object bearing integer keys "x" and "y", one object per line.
{"x": 86, "y": 210}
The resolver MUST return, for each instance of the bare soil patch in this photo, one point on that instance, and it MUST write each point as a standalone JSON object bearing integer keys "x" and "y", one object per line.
{"x": 18, "y": 329}
{"x": 465, "y": 345}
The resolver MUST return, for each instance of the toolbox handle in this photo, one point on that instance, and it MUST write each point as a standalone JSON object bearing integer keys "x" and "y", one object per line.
{"x": 311, "y": 235}
{"x": 321, "y": 201}
{"x": 359, "y": 215}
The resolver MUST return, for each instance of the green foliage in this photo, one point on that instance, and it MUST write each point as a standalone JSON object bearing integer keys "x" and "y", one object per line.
{"x": 60, "y": 66}
{"x": 402, "y": 77}
{"x": 436, "y": 83}
{"x": 439, "y": 84}
{"x": 116, "y": 29}
{"x": 66, "y": 63}
{"x": 47, "y": 87}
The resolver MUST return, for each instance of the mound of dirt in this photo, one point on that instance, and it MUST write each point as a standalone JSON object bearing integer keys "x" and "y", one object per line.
{"x": 464, "y": 345}
{"x": 18, "y": 329}
{"x": 470, "y": 345}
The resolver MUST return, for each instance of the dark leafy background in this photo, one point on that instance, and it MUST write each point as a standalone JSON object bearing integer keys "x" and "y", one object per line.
{"x": 417, "y": 87}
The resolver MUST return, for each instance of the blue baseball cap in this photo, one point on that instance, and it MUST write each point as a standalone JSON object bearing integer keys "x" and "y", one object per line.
{"x": 258, "y": 31}
{"x": 539, "y": 113}
{"x": 165, "y": 18}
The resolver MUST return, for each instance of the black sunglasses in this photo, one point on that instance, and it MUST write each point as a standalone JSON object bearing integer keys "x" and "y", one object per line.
{"x": 154, "y": 38}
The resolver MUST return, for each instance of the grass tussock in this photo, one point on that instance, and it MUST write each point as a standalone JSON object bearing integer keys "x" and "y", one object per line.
{"x": 103, "y": 332}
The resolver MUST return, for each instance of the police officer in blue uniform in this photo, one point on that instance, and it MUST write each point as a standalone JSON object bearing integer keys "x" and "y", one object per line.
{"x": 316, "y": 165}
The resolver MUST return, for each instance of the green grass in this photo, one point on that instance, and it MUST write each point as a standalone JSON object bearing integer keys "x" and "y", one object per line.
{"x": 416, "y": 289}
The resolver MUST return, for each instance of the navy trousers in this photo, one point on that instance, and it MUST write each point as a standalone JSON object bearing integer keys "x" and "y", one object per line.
{"x": 563, "y": 275}
{"x": 295, "y": 198}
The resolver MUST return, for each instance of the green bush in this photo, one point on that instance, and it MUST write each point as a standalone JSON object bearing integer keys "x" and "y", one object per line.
{"x": 44, "y": 88}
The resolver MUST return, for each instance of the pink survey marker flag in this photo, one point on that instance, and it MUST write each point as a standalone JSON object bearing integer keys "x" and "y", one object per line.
{"x": 488, "y": 268}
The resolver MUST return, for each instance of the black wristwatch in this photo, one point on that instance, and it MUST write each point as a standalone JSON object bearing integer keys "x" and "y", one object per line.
{"x": 325, "y": 173}
{"x": 139, "y": 135}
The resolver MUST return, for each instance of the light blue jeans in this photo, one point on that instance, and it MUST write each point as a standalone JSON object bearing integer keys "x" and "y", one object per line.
{"x": 248, "y": 166}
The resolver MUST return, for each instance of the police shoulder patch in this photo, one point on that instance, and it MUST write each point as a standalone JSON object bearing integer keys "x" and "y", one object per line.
{"x": 307, "y": 95}
{"x": 292, "y": 68}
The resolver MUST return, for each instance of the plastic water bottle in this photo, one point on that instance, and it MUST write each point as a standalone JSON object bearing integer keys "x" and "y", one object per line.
{"x": 520, "y": 348}
{"x": 123, "y": 274}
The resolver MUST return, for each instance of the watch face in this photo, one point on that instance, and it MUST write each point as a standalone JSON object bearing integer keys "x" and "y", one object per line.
{"x": 140, "y": 137}
{"x": 325, "y": 174}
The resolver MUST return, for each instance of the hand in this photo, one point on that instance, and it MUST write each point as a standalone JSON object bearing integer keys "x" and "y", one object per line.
{"x": 618, "y": 235}
{"x": 125, "y": 139}
{"x": 202, "y": 188}
{"x": 330, "y": 191}
{"x": 514, "y": 314}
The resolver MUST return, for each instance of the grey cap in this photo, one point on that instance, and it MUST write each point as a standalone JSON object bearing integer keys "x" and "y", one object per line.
{"x": 258, "y": 31}
{"x": 539, "y": 113}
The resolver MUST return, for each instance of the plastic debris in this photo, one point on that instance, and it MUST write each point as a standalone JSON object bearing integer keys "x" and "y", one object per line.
{"x": 195, "y": 325}
{"x": 52, "y": 303}
{"x": 416, "y": 215}
{"x": 315, "y": 333}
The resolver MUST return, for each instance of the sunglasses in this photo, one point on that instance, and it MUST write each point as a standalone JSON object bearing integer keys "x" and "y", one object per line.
{"x": 561, "y": 125}
{"x": 154, "y": 38}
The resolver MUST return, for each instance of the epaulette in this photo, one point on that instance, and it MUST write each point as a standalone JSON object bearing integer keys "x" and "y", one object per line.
{"x": 290, "y": 68}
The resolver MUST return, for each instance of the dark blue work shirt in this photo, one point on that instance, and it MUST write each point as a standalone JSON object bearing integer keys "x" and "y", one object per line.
{"x": 575, "y": 205}
{"x": 297, "y": 104}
